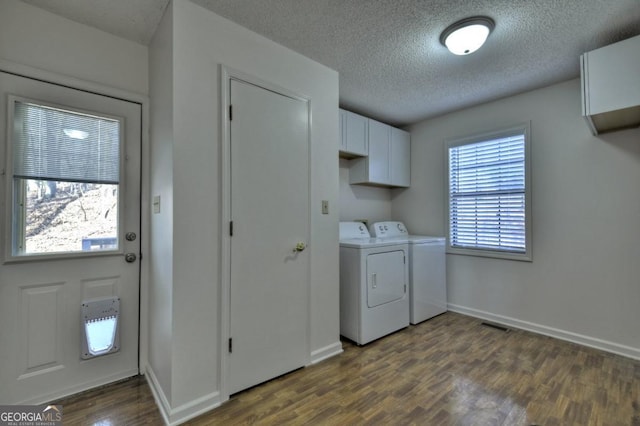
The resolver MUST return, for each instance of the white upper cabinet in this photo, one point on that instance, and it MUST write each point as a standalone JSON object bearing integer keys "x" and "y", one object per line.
{"x": 611, "y": 86}
{"x": 400, "y": 163}
{"x": 353, "y": 135}
{"x": 388, "y": 162}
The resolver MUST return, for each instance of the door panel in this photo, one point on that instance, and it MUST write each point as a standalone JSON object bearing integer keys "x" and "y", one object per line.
{"x": 270, "y": 214}
{"x": 41, "y": 294}
{"x": 386, "y": 277}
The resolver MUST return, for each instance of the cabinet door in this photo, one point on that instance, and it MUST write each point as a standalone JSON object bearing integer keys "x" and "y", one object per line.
{"x": 612, "y": 76}
{"x": 343, "y": 130}
{"x": 379, "y": 138}
{"x": 400, "y": 161}
{"x": 356, "y": 133}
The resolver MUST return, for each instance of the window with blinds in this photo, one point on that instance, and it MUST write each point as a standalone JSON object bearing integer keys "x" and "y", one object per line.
{"x": 65, "y": 169}
{"x": 488, "y": 194}
{"x": 59, "y": 145}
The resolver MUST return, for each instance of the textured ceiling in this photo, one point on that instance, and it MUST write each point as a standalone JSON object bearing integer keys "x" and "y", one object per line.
{"x": 392, "y": 66}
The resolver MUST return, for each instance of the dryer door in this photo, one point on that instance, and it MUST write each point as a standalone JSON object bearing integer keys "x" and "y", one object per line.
{"x": 386, "y": 280}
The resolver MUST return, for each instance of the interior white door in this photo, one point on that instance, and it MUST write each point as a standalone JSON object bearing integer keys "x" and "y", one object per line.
{"x": 270, "y": 213}
{"x": 70, "y": 209}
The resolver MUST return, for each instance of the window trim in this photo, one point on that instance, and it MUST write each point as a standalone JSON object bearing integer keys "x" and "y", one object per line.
{"x": 522, "y": 128}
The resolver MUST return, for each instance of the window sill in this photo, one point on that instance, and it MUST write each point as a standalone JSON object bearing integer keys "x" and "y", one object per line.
{"x": 522, "y": 257}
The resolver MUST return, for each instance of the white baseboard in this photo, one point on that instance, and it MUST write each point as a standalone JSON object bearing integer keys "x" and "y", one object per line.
{"x": 158, "y": 394}
{"x": 179, "y": 415}
{"x": 618, "y": 349}
{"x": 82, "y": 387}
{"x": 326, "y": 352}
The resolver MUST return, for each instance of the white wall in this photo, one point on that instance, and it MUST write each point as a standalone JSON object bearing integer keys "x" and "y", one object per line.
{"x": 583, "y": 283}
{"x": 201, "y": 42}
{"x": 360, "y": 201}
{"x": 161, "y": 244}
{"x": 39, "y": 39}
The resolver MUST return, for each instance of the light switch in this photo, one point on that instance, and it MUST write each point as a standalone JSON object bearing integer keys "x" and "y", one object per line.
{"x": 325, "y": 206}
{"x": 156, "y": 204}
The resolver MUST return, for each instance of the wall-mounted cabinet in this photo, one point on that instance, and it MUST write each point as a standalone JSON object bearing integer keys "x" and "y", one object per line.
{"x": 389, "y": 159}
{"x": 353, "y": 135}
{"x": 611, "y": 86}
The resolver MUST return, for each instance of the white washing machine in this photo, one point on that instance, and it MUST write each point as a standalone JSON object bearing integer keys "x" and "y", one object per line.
{"x": 427, "y": 269}
{"x": 374, "y": 276}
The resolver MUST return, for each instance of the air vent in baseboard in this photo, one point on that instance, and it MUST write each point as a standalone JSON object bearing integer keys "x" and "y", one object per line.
{"x": 496, "y": 326}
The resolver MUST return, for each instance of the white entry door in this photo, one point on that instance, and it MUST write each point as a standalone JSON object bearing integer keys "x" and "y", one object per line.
{"x": 269, "y": 302}
{"x": 70, "y": 209}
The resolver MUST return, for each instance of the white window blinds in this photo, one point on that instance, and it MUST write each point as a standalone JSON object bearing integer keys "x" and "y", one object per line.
{"x": 58, "y": 145}
{"x": 487, "y": 194}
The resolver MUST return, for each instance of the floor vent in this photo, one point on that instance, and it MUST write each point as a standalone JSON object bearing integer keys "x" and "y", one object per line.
{"x": 496, "y": 326}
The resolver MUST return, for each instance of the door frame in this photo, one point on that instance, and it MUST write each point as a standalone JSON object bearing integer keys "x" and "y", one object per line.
{"x": 226, "y": 75}
{"x": 124, "y": 95}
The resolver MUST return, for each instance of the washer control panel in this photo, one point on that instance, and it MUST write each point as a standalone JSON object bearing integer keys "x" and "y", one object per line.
{"x": 388, "y": 229}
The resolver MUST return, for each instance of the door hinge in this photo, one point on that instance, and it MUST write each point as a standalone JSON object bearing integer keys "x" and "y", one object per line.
{"x": 404, "y": 259}
{"x": 405, "y": 288}
{"x": 230, "y": 112}
{"x": 230, "y": 345}
{"x": 231, "y": 229}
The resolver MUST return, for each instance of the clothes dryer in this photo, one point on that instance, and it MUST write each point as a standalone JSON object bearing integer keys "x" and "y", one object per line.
{"x": 427, "y": 269}
{"x": 374, "y": 275}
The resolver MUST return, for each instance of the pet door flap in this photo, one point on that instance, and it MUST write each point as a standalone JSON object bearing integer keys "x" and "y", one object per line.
{"x": 100, "y": 327}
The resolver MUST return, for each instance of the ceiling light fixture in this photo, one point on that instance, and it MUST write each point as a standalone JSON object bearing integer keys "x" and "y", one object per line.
{"x": 468, "y": 35}
{"x": 76, "y": 134}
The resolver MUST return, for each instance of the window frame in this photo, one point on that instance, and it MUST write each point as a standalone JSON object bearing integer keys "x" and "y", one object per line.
{"x": 519, "y": 129}
{"x": 13, "y": 194}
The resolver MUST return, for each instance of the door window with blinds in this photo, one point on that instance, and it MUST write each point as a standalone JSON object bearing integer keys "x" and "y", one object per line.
{"x": 65, "y": 181}
{"x": 489, "y": 194}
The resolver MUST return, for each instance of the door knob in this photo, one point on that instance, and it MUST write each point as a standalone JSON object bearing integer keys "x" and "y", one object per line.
{"x": 299, "y": 247}
{"x": 130, "y": 257}
{"x": 130, "y": 236}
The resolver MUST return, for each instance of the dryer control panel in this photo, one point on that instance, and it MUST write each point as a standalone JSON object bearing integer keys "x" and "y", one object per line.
{"x": 388, "y": 229}
{"x": 353, "y": 230}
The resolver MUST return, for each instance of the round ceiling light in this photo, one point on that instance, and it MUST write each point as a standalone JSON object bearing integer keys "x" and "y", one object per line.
{"x": 468, "y": 35}
{"x": 76, "y": 134}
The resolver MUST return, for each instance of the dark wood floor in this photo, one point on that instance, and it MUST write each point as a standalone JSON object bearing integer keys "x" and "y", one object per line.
{"x": 450, "y": 370}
